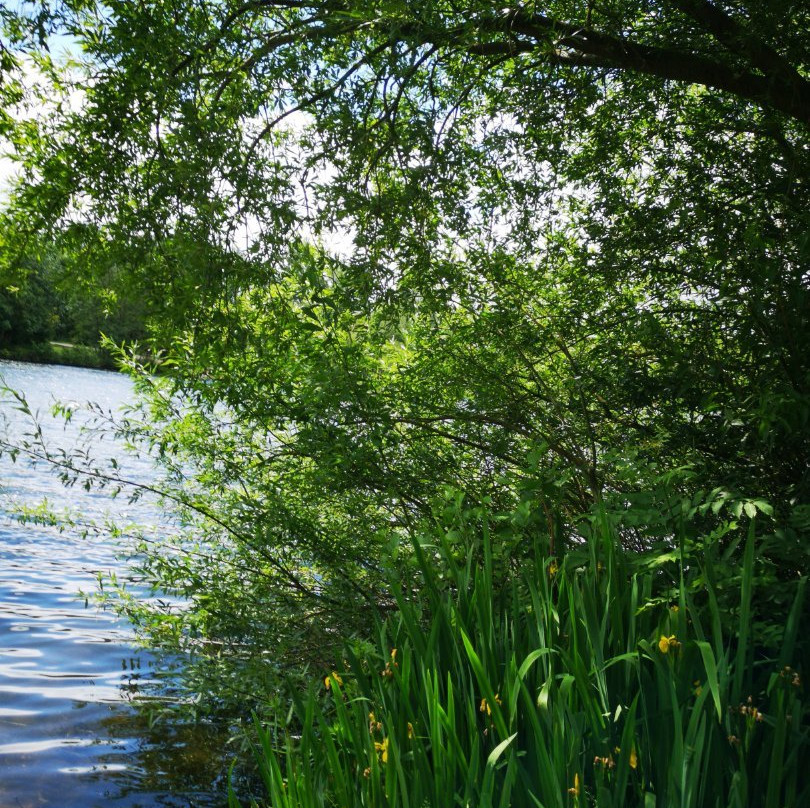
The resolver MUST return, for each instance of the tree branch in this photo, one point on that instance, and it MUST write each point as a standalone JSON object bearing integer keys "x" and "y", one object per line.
{"x": 783, "y": 88}
{"x": 737, "y": 37}
{"x": 758, "y": 74}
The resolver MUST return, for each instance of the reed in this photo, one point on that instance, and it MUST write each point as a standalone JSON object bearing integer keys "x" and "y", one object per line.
{"x": 570, "y": 683}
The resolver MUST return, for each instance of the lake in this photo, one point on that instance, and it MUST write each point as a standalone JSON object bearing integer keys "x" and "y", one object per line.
{"x": 73, "y": 733}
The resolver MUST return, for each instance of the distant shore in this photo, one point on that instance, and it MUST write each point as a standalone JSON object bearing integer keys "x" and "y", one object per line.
{"x": 61, "y": 353}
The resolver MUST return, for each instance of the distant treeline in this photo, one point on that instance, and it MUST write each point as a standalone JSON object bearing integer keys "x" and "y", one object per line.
{"x": 44, "y": 306}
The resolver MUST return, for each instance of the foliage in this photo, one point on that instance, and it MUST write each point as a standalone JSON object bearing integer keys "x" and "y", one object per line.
{"x": 50, "y": 353}
{"x": 594, "y": 253}
{"x": 29, "y": 314}
{"x": 573, "y": 686}
{"x": 555, "y": 258}
{"x": 44, "y": 301}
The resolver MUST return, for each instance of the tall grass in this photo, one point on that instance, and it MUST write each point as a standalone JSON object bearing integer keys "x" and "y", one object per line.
{"x": 570, "y": 683}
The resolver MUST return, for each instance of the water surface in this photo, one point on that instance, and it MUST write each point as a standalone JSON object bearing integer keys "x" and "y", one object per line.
{"x": 71, "y": 735}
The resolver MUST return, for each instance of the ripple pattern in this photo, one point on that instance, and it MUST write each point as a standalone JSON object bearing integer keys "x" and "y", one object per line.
{"x": 71, "y": 735}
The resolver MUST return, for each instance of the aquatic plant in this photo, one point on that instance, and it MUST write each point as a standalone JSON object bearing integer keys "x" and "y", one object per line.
{"x": 599, "y": 678}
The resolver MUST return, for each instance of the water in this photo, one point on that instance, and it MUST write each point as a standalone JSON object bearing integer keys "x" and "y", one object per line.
{"x": 71, "y": 732}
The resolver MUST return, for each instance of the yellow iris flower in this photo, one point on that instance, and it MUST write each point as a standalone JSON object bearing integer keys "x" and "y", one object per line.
{"x": 333, "y": 677}
{"x": 382, "y": 750}
{"x": 667, "y": 644}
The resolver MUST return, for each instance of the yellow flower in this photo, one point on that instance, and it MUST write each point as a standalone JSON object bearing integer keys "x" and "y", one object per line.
{"x": 575, "y": 789}
{"x": 485, "y": 707}
{"x": 382, "y": 750}
{"x": 665, "y": 644}
{"x": 633, "y": 756}
{"x": 553, "y": 568}
{"x": 373, "y": 724}
{"x": 333, "y": 677}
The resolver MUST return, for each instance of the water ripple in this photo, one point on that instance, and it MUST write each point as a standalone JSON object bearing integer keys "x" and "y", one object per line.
{"x": 71, "y": 736}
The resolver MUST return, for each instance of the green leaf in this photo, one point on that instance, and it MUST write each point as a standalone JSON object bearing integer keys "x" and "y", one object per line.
{"x": 496, "y": 753}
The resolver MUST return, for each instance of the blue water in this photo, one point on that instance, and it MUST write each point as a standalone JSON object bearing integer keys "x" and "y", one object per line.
{"x": 73, "y": 731}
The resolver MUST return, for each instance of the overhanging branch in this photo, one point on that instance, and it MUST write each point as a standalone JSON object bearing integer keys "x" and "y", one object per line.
{"x": 752, "y": 70}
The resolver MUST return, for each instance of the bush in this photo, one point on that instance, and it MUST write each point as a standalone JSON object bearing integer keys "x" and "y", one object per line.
{"x": 84, "y": 356}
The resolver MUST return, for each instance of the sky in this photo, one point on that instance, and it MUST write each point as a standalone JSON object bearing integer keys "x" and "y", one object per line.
{"x": 62, "y": 47}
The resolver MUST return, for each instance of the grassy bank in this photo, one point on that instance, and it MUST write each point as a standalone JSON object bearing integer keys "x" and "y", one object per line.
{"x": 60, "y": 353}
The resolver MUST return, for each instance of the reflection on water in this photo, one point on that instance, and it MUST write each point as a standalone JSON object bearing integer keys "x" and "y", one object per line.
{"x": 70, "y": 734}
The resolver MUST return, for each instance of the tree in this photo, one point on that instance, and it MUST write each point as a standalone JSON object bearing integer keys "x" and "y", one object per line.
{"x": 542, "y": 255}
{"x": 31, "y": 313}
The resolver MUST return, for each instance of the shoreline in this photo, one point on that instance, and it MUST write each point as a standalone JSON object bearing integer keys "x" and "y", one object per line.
{"x": 61, "y": 353}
